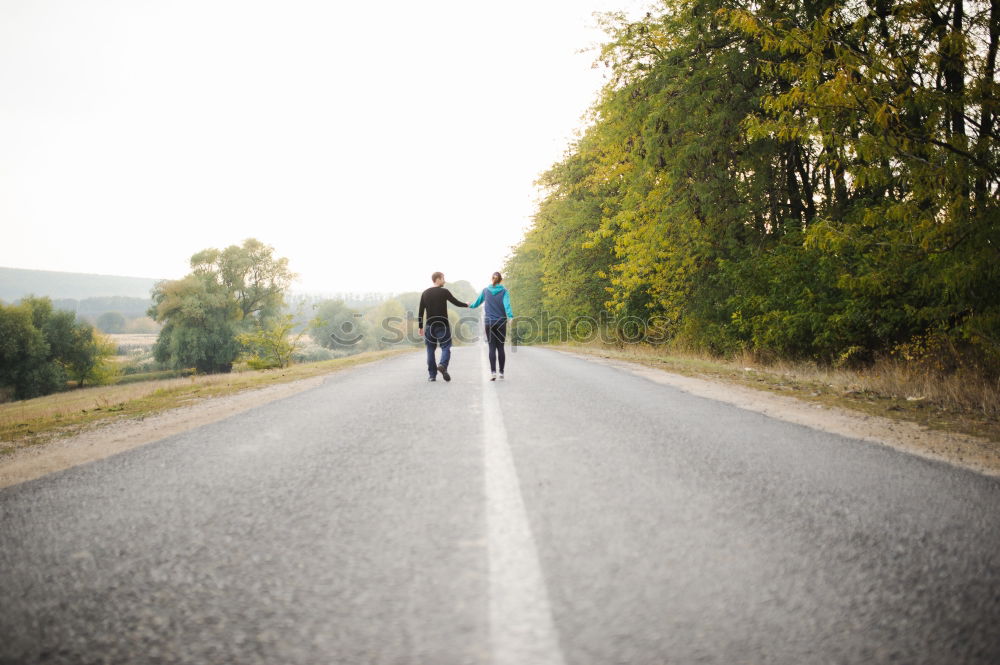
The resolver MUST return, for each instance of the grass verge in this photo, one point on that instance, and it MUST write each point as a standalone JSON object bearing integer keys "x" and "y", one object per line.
{"x": 890, "y": 391}
{"x": 42, "y": 419}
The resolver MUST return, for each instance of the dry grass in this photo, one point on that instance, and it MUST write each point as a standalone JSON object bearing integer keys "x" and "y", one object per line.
{"x": 36, "y": 420}
{"x": 957, "y": 402}
{"x": 962, "y": 391}
{"x": 957, "y": 391}
{"x": 102, "y": 397}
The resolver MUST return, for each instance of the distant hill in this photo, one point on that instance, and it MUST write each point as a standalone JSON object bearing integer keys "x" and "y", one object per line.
{"x": 16, "y": 283}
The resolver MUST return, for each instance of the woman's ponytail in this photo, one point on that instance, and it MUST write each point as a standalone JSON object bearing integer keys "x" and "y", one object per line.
{"x": 497, "y": 278}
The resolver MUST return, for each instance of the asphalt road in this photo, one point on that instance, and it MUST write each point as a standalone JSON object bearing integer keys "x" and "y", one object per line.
{"x": 573, "y": 514}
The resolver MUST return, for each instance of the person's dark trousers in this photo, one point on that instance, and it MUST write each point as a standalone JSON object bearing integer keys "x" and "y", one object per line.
{"x": 437, "y": 334}
{"x": 496, "y": 335}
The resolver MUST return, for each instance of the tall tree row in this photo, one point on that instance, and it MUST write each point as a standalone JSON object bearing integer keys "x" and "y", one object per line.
{"x": 808, "y": 179}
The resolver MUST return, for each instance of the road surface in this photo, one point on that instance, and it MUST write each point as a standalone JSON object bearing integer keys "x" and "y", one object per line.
{"x": 573, "y": 514}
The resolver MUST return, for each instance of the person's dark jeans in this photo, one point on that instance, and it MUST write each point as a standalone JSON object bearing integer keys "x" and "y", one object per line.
{"x": 496, "y": 335}
{"x": 437, "y": 334}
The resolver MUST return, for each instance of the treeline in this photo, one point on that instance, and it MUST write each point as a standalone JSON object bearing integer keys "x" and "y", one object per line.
{"x": 111, "y": 314}
{"x": 813, "y": 180}
{"x": 128, "y": 307}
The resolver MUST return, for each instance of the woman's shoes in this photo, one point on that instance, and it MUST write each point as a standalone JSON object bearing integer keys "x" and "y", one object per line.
{"x": 493, "y": 376}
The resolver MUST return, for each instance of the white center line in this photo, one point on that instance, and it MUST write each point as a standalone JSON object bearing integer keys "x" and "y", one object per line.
{"x": 521, "y": 628}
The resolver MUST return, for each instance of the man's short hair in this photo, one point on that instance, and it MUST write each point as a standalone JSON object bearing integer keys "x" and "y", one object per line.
{"x": 436, "y": 276}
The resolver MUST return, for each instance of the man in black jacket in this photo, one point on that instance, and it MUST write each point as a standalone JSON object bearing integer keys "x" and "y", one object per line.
{"x": 434, "y": 301}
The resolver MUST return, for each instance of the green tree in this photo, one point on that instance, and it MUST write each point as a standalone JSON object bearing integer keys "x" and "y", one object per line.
{"x": 272, "y": 346}
{"x": 26, "y": 366}
{"x": 200, "y": 324}
{"x": 523, "y": 275}
{"x": 59, "y": 327}
{"x": 89, "y": 357}
{"x": 902, "y": 98}
{"x": 237, "y": 290}
{"x": 251, "y": 274}
{"x": 40, "y": 346}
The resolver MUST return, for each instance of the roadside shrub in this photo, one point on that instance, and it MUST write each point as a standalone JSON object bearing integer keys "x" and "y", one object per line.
{"x": 311, "y": 353}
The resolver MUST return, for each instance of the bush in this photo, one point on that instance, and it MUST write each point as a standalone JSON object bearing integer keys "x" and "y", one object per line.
{"x": 40, "y": 346}
{"x": 272, "y": 346}
{"x": 311, "y": 353}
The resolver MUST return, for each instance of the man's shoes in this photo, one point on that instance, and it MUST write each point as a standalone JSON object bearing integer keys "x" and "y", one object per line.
{"x": 431, "y": 378}
{"x": 493, "y": 376}
{"x": 444, "y": 372}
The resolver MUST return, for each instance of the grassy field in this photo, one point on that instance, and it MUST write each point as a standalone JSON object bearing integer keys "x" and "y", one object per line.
{"x": 136, "y": 340}
{"x": 953, "y": 403}
{"x": 33, "y": 421}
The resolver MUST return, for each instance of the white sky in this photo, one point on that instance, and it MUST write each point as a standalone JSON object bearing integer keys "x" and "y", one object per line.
{"x": 370, "y": 143}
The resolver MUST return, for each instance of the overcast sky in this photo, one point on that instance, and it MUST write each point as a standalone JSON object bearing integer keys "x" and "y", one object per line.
{"x": 370, "y": 143}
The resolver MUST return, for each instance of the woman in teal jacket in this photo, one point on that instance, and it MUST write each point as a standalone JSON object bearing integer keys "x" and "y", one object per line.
{"x": 497, "y": 301}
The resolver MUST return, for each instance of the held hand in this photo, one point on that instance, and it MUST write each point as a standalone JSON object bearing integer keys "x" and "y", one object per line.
{"x": 420, "y": 331}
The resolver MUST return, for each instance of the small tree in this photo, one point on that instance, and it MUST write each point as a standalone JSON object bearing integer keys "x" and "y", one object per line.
{"x": 272, "y": 346}
{"x": 25, "y": 364}
{"x": 88, "y": 359}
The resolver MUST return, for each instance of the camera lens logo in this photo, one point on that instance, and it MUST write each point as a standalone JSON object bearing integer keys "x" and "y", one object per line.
{"x": 348, "y": 333}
